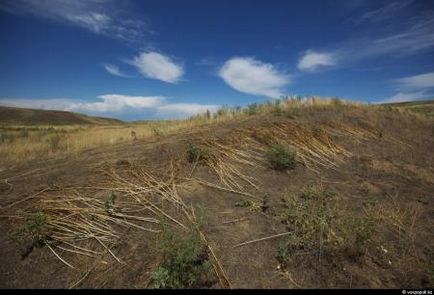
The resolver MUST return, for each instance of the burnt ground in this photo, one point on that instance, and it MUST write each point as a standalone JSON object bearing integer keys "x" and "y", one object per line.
{"x": 390, "y": 175}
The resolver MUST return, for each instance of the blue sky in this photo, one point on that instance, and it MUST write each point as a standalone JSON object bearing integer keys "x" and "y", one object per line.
{"x": 171, "y": 59}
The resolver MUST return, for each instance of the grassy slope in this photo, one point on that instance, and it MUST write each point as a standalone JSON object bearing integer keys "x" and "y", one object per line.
{"x": 425, "y": 107}
{"x": 359, "y": 203}
{"x": 22, "y": 116}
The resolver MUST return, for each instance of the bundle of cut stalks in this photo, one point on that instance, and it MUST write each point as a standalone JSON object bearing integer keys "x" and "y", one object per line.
{"x": 73, "y": 220}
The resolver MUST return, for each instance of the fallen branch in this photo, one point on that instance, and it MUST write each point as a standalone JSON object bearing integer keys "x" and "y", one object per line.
{"x": 262, "y": 239}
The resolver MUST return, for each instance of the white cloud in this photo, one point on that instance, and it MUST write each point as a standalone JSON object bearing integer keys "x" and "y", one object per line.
{"x": 407, "y": 96}
{"x": 417, "y": 82}
{"x": 114, "y": 70}
{"x": 312, "y": 60}
{"x": 157, "y": 66}
{"x": 104, "y": 17}
{"x": 251, "y": 76}
{"x": 182, "y": 110}
{"x": 413, "y": 88}
{"x": 116, "y": 105}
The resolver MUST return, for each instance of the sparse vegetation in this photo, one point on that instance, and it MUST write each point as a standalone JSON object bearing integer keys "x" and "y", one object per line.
{"x": 319, "y": 225}
{"x": 196, "y": 152}
{"x": 252, "y": 206}
{"x": 185, "y": 261}
{"x": 110, "y": 203}
{"x": 281, "y": 156}
{"x": 33, "y": 228}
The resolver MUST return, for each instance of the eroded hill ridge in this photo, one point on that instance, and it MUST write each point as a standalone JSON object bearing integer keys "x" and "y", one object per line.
{"x": 294, "y": 194}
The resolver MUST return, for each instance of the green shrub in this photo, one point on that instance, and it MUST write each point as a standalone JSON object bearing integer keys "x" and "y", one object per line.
{"x": 185, "y": 260}
{"x": 156, "y": 131}
{"x": 33, "y": 227}
{"x": 283, "y": 253}
{"x": 110, "y": 203}
{"x": 318, "y": 224}
{"x": 196, "y": 153}
{"x": 252, "y": 206}
{"x": 359, "y": 230}
{"x": 308, "y": 215}
{"x": 281, "y": 156}
{"x": 255, "y": 206}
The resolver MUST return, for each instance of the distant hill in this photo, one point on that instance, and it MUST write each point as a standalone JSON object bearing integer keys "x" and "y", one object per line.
{"x": 23, "y": 116}
{"x": 425, "y": 107}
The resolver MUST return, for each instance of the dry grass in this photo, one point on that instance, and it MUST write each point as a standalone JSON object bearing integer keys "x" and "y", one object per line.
{"x": 19, "y": 144}
{"x": 74, "y": 219}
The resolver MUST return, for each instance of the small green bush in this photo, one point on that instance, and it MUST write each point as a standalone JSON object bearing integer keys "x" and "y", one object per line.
{"x": 157, "y": 132}
{"x": 196, "y": 153}
{"x": 34, "y": 227}
{"x": 110, "y": 203}
{"x": 360, "y": 230}
{"x": 252, "y": 206}
{"x": 281, "y": 156}
{"x": 283, "y": 253}
{"x": 318, "y": 224}
{"x": 185, "y": 261}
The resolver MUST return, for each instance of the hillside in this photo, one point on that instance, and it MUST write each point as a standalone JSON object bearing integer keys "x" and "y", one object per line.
{"x": 22, "y": 116}
{"x": 425, "y": 107}
{"x": 312, "y": 194}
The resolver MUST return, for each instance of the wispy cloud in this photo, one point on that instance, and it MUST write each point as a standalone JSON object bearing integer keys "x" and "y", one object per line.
{"x": 415, "y": 38}
{"x": 383, "y": 13}
{"x": 248, "y": 75}
{"x": 116, "y": 105}
{"x": 412, "y": 88}
{"x": 312, "y": 60}
{"x": 206, "y": 62}
{"x": 157, "y": 66}
{"x": 421, "y": 81}
{"x": 104, "y": 17}
{"x": 114, "y": 70}
{"x": 407, "y": 96}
